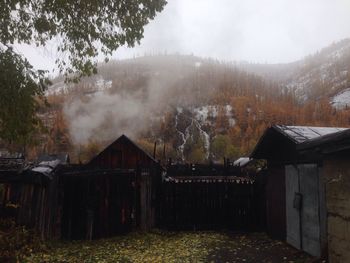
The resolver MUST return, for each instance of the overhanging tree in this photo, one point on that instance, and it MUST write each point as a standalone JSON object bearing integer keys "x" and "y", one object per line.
{"x": 82, "y": 31}
{"x": 21, "y": 89}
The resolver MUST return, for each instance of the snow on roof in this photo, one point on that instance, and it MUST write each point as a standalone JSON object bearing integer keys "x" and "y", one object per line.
{"x": 52, "y": 164}
{"x": 333, "y": 142}
{"x": 300, "y": 134}
{"x": 241, "y": 161}
{"x": 63, "y": 157}
{"x": 46, "y": 167}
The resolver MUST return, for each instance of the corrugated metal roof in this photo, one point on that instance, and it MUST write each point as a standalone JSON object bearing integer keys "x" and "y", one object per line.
{"x": 279, "y": 142}
{"x": 329, "y": 143}
{"x": 301, "y": 134}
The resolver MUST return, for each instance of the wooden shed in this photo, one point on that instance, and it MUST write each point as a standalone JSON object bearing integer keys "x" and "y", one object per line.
{"x": 334, "y": 150}
{"x": 97, "y": 203}
{"x": 118, "y": 190}
{"x": 123, "y": 153}
{"x": 295, "y": 202}
{"x": 39, "y": 202}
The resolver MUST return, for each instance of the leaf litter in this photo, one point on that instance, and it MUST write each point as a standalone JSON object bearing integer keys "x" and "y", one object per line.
{"x": 170, "y": 247}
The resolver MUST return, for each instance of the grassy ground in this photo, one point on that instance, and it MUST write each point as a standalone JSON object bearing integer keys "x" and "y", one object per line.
{"x": 171, "y": 247}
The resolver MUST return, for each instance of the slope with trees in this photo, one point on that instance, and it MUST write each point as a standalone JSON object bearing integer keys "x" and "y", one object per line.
{"x": 196, "y": 106}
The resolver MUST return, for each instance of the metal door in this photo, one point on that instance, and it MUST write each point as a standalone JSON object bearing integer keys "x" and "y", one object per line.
{"x": 292, "y": 212}
{"x": 303, "y": 206}
{"x": 310, "y": 212}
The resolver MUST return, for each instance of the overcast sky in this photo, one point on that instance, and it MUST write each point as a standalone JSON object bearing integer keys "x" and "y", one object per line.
{"x": 271, "y": 31}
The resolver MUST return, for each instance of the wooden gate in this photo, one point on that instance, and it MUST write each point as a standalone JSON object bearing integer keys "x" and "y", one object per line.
{"x": 98, "y": 204}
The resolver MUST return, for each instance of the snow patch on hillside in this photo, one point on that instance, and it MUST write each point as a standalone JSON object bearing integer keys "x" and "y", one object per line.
{"x": 97, "y": 85}
{"x": 341, "y": 100}
{"x": 102, "y": 84}
{"x": 207, "y": 113}
{"x": 329, "y": 67}
{"x": 199, "y": 119}
{"x": 57, "y": 88}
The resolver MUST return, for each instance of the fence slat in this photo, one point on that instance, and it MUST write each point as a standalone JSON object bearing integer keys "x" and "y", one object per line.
{"x": 207, "y": 205}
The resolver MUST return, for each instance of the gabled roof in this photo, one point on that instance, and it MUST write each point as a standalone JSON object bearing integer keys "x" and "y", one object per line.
{"x": 120, "y": 139}
{"x": 124, "y": 137}
{"x": 279, "y": 141}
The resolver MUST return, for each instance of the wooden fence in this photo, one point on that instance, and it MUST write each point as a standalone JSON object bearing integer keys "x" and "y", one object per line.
{"x": 208, "y": 204}
{"x": 37, "y": 207}
{"x": 85, "y": 203}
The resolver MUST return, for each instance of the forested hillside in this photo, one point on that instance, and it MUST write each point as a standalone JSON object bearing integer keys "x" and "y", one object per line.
{"x": 196, "y": 109}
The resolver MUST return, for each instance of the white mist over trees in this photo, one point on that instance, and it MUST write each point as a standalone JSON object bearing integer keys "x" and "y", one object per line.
{"x": 202, "y": 109}
{"x": 83, "y": 30}
{"x": 185, "y": 102}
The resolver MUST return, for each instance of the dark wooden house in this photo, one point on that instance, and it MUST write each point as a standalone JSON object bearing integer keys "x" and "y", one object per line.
{"x": 334, "y": 151}
{"x": 295, "y": 201}
{"x": 115, "y": 192}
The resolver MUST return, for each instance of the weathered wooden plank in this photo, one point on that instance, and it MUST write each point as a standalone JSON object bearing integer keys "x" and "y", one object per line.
{"x": 207, "y": 205}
